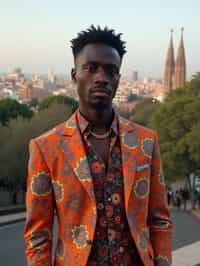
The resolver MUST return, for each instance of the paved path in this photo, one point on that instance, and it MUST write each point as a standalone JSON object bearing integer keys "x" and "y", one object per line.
{"x": 186, "y": 229}
{"x": 186, "y": 238}
{"x": 186, "y": 241}
{"x": 12, "y": 245}
{"x": 12, "y": 218}
{"x": 188, "y": 255}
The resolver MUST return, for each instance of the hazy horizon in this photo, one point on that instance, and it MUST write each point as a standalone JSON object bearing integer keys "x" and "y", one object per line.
{"x": 36, "y": 35}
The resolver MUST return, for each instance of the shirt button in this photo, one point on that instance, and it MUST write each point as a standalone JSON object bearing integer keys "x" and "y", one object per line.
{"x": 109, "y": 199}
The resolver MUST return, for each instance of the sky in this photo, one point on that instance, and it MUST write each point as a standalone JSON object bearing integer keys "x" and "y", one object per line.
{"x": 35, "y": 35}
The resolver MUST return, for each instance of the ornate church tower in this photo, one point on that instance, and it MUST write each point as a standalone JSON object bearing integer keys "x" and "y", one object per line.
{"x": 180, "y": 66}
{"x": 169, "y": 66}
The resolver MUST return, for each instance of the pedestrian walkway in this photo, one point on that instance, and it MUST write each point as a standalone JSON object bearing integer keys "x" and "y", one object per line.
{"x": 12, "y": 218}
{"x": 196, "y": 213}
{"x": 186, "y": 239}
{"x": 186, "y": 236}
{"x": 20, "y": 216}
{"x": 12, "y": 209}
{"x": 187, "y": 256}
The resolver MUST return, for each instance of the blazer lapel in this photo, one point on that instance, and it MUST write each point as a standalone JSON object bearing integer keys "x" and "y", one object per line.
{"x": 129, "y": 140}
{"x": 75, "y": 155}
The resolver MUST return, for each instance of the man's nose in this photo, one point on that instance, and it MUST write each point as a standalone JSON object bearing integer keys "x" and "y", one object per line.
{"x": 101, "y": 76}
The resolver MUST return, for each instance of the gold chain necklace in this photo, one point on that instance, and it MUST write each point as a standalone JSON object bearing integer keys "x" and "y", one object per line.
{"x": 100, "y": 136}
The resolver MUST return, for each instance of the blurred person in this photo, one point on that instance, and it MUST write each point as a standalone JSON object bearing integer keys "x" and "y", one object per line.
{"x": 185, "y": 198}
{"x": 169, "y": 196}
{"x": 178, "y": 199}
{"x": 101, "y": 172}
{"x": 198, "y": 198}
{"x": 195, "y": 198}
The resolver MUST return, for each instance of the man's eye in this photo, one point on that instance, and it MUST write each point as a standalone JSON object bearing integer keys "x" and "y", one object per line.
{"x": 92, "y": 68}
{"x": 113, "y": 71}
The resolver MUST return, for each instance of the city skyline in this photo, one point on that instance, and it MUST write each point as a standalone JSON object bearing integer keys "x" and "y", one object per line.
{"x": 36, "y": 35}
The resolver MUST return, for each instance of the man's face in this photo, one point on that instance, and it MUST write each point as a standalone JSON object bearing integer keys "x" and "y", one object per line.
{"x": 96, "y": 75}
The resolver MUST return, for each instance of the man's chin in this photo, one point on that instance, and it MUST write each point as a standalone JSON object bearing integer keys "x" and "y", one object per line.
{"x": 100, "y": 105}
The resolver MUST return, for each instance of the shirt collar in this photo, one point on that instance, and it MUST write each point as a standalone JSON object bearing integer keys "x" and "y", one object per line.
{"x": 84, "y": 124}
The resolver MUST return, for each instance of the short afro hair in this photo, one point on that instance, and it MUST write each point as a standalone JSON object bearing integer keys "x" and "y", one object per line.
{"x": 97, "y": 35}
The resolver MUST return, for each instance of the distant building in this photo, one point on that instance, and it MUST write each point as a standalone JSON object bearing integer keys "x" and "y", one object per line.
{"x": 175, "y": 72}
{"x": 169, "y": 66}
{"x": 180, "y": 66}
{"x": 16, "y": 74}
{"x": 135, "y": 76}
{"x": 51, "y": 76}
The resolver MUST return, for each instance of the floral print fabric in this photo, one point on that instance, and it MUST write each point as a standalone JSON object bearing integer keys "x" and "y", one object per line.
{"x": 59, "y": 176}
{"x": 113, "y": 243}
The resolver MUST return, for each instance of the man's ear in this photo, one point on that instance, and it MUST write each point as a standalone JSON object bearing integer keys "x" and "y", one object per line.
{"x": 73, "y": 74}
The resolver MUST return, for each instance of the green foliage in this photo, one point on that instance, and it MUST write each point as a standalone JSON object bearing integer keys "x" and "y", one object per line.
{"x": 60, "y": 99}
{"x": 15, "y": 138}
{"x": 191, "y": 88}
{"x": 177, "y": 122}
{"x": 33, "y": 102}
{"x": 144, "y": 110}
{"x": 193, "y": 142}
{"x": 124, "y": 113}
{"x": 10, "y": 109}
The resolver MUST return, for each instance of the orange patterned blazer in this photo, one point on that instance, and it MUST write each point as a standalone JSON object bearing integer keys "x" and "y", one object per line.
{"x": 59, "y": 179}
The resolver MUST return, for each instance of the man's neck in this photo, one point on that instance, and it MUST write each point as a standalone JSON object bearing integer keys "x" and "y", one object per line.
{"x": 100, "y": 120}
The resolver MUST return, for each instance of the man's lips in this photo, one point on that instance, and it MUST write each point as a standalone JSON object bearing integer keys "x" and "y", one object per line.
{"x": 101, "y": 92}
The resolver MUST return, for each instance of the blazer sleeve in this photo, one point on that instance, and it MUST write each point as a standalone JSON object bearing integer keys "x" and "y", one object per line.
{"x": 40, "y": 210}
{"x": 158, "y": 215}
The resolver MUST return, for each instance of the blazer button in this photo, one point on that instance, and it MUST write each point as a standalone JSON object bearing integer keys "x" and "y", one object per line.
{"x": 89, "y": 242}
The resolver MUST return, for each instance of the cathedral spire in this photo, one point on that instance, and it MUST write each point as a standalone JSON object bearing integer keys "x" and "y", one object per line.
{"x": 180, "y": 66}
{"x": 169, "y": 66}
{"x": 171, "y": 39}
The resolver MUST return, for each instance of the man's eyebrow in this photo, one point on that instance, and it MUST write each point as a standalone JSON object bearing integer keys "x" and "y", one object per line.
{"x": 98, "y": 63}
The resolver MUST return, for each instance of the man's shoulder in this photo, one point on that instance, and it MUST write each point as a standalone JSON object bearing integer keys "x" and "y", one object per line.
{"x": 52, "y": 133}
{"x": 145, "y": 130}
{"x": 56, "y": 132}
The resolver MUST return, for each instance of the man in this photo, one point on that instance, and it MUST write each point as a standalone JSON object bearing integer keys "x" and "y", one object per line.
{"x": 100, "y": 172}
{"x": 185, "y": 197}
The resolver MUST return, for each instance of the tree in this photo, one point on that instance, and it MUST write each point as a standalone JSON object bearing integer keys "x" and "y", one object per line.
{"x": 144, "y": 110}
{"x": 10, "y": 108}
{"x": 126, "y": 113}
{"x": 14, "y": 143}
{"x": 60, "y": 99}
{"x": 177, "y": 122}
{"x": 132, "y": 97}
{"x": 33, "y": 102}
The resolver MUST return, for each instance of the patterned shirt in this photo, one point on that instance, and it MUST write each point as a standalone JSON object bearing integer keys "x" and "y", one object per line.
{"x": 113, "y": 243}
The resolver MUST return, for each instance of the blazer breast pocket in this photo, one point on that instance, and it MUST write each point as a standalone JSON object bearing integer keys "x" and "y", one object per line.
{"x": 142, "y": 168}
